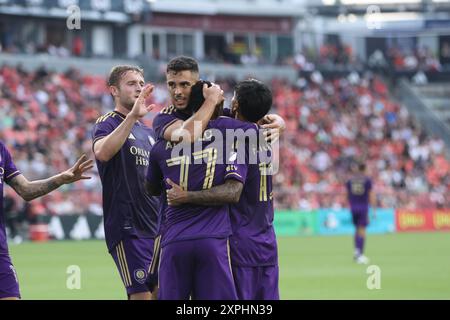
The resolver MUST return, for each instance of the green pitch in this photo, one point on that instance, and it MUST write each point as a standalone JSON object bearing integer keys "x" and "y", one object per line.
{"x": 413, "y": 266}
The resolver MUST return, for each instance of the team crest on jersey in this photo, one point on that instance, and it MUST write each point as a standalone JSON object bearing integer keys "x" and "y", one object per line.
{"x": 131, "y": 137}
{"x": 140, "y": 275}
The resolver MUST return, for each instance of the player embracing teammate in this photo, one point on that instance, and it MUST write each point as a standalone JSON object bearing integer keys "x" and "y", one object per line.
{"x": 216, "y": 233}
{"x": 243, "y": 189}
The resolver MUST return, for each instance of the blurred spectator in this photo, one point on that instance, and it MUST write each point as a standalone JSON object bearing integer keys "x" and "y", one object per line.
{"x": 77, "y": 46}
{"x": 331, "y": 123}
{"x": 420, "y": 58}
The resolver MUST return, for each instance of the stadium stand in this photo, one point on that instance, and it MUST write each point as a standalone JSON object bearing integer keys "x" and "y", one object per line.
{"x": 46, "y": 118}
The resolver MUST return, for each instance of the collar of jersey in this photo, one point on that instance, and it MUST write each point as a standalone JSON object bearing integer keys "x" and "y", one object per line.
{"x": 120, "y": 114}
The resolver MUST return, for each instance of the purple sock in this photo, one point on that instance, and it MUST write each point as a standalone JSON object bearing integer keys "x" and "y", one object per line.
{"x": 359, "y": 244}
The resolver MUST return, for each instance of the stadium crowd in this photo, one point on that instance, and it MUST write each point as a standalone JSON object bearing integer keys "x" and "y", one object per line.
{"x": 46, "y": 119}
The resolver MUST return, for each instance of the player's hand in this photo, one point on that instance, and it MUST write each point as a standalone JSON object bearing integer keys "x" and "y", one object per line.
{"x": 76, "y": 172}
{"x": 273, "y": 126}
{"x": 213, "y": 93}
{"x": 139, "y": 108}
{"x": 175, "y": 196}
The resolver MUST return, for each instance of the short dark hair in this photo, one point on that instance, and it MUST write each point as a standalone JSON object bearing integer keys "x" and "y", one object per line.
{"x": 118, "y": 71}
{"x": 182, "y": 63}
{"x": 254, "y": 99}
{"x": 361, "y": 167}
{"x": 357, "y": 166}
{"x": 196, "y": 99}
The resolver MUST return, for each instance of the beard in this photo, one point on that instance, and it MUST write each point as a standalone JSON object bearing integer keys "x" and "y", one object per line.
{"x": 127, "y": 103}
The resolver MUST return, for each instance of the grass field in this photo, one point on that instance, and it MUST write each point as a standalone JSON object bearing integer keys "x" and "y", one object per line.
{"x": 413, "y": 266}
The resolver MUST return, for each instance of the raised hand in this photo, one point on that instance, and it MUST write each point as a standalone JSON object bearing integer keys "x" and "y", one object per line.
{"x": 215, "y": 93}
{"x": 76, "y": 172}
{"x": 139, "y": 108}
{"x": 273, "y": 126}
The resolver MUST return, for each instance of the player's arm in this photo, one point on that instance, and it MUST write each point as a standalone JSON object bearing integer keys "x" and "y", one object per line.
{"x": 192, "y": 129}
{"x": 30, "y": 190}
{"x": 105, "y": 148}
{"x": 274, "y": 126}
{"x": 228, "y": 192}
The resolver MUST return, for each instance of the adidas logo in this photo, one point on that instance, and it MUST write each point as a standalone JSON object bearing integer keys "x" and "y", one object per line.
{"x": 131, "y": 137}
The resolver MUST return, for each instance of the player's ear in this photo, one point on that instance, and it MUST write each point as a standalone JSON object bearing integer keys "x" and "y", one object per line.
{"x": 113, "y": 90}
{"x": 234, "y": 106}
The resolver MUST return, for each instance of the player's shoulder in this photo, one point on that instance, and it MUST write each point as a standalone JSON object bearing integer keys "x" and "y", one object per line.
{"x": 167, "y": 114}
{"x": 231, "y": 123}
{"x": 160, "y": 147}
{"x": 168, "y": 110}
{"x": 108, "y": 117}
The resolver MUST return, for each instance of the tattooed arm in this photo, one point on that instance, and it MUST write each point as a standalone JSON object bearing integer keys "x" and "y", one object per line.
{"x": 30, "y": 190}
{"x": 228, "y": 192}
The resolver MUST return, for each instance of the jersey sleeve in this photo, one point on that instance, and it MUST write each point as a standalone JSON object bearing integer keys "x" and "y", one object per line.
{"x": 161, "y": 122}
{"x": 10, "y": 168}
{"x": 101, "y": 130}
{"x": 235, "y": 169}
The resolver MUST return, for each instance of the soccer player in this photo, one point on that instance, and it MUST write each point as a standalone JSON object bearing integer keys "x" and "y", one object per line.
{"x": 122, "y": 144}
{"x": 178, "y": 122}
{"x": 359, "y": 195}
{"x": 28, "y": 190}
{"x": 194, "y": 258}
{"x": 253, "y": 245}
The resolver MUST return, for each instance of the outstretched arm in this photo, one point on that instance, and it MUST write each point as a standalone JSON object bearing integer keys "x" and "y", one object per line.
{"x": 228, "y": 192}
{"x": 105, "y": 148}
{"x": 186, "y": 130}
{"x": 30, "y": 190}
{"x": 274, "y": 126}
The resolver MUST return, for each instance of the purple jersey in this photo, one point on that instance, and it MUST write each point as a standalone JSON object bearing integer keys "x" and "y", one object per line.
{"x": 165, "y": 118}
{"x": 192, "y": 221}
{"x": 358, "y": 189}
{"x": 253, "y": 242}
{"x": 127, "y": 208}
{"x": 169, "y": 115}
{"x": 7, "y": 171}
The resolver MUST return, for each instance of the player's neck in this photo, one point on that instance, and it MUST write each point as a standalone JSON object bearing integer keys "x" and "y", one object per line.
{"x": 240, "y": 117}
{"x": 122, "y": 110}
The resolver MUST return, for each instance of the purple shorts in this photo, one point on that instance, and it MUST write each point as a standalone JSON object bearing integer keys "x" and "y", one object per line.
{"x": 9, "y": 284}
{"x": 198, "y": 268}
{"x": 256, "y": 283}
{"x": 133, "y": 256}
{"x": 360, "y": 218}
